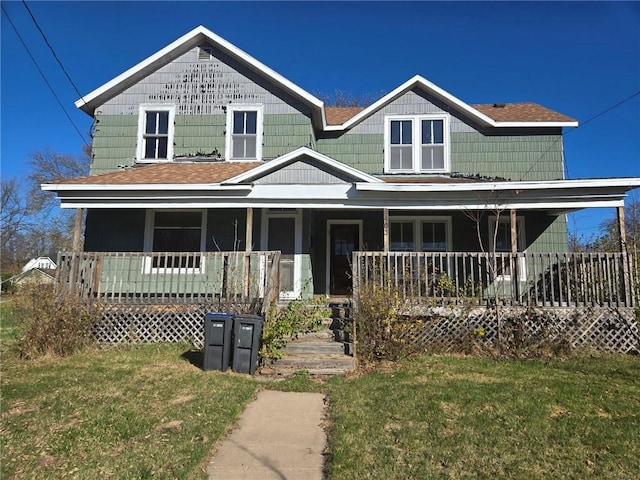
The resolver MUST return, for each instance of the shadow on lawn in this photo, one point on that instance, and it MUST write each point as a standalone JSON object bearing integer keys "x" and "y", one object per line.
{"x": 194, "y": 357}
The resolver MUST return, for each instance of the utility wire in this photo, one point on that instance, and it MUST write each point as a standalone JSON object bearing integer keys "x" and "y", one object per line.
{"x": 44, "y": 37}
{"x": 603, "y": 112}
{"x": 43, "y": 75}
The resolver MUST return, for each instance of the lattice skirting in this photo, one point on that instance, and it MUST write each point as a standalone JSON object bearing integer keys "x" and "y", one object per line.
{"x": 154, "y": 323}
{"x": 601, "y": 328}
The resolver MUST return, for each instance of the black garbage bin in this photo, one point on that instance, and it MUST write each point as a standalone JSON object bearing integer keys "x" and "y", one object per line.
{"x": 247, "y": 331}
{"x": 217, "y": 341}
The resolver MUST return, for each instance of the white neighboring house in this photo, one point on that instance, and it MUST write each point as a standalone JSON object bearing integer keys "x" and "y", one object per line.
{"x": 41, "y": 263}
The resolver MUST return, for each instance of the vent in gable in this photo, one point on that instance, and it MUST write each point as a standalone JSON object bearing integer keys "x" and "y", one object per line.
{"x": 205, "y": 52}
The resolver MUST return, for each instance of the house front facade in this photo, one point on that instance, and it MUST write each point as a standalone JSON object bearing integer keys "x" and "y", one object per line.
{"x": 202, "y": 148}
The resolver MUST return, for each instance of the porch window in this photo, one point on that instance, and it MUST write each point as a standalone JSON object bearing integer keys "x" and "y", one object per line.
{"x": 179, "y": 232}
{"x": 434, "y": 236}
{"x": 244, "y": 132}
{"x": 416, "y": 144}
{"x": 401, "y": 238}
{"x": 155, "y": 133}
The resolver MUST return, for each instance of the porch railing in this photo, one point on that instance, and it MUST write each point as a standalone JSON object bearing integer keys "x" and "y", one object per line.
{"x": 170, "y": 277}
{"x": 537, "y": 279}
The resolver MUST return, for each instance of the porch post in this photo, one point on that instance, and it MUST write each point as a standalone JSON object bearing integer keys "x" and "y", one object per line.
{"x": 248, "y": 245}
{"x": 77, "y": 230}
{"x": 515, "y": 281}
{"x": 622, "y": 232}
{"x": 385, "y": 229}
{"x": 248, "y": 241}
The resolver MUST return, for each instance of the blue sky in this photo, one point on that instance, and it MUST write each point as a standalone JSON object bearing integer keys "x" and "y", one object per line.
{"x": 573, "y": 57}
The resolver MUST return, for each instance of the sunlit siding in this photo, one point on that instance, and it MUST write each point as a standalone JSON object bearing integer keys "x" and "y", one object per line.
{"x": 528, "y": 154}
{"x": 201, "y": 89}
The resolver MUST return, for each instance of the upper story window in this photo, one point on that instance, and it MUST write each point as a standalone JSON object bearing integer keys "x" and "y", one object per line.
{"x": 244, "y": 132}
{"x": 416, "y": 144}
{"x": 155, "y": 133}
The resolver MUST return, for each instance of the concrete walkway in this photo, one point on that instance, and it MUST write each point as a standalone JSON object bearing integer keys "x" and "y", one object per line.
{"x": 279, "y": 436}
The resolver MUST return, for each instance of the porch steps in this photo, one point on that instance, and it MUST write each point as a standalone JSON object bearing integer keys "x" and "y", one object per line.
{"x": 317, "y": 353}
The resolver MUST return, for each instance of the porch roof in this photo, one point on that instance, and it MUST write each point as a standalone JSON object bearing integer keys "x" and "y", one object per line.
{"x": 174, "y": 186}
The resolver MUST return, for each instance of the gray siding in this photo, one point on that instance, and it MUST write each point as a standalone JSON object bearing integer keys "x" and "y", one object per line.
{"x": 305, "y": 172}
{"x": 203, "y": 87}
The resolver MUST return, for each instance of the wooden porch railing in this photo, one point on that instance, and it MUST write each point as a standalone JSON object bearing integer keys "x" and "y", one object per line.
{"x": 170, "y": 277}
{"x": 537, "y": 279}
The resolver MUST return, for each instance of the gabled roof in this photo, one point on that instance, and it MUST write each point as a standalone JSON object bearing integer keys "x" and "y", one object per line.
{"x": 499, "y": 112}
{"x": 418, "y": 82}
{"x": 296, "y": 155}
{"x": 323, "y": 119}
{"x": 195, "y": 37}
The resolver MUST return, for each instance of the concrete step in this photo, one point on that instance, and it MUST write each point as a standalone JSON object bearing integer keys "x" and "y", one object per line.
{"x": 311, "y": 348}
{"x": 315, "y": 352}
{"x": 325, "y": 361}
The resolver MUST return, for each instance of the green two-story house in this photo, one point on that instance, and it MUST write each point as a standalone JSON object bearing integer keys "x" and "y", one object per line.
{"x": 203, "y": 148}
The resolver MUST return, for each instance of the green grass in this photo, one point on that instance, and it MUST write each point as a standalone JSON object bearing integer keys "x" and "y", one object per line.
{"x": 149, "y": 412}
{"x": 446, "y": 417}
{"x": 143, "y": 412}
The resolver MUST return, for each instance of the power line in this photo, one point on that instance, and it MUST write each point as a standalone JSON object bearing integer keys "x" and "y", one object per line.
{"x": 44, "y": 37}
{"x": 43, "y": 75}
{"x": 603, "y": 112}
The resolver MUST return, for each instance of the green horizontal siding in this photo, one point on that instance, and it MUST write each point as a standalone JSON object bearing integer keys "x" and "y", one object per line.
{"x": 199, "y": 134}
{"x": 362, "y": 151}
{"x": 284, "y": 133}
{"x": 116, "y": 136}
{"x": 526, "y": 157}
{"x": 114, "y": 142}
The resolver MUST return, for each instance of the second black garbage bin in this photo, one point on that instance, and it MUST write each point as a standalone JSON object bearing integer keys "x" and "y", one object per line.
{"x": 217, "y": 341}
{"x": 247, "y": 330}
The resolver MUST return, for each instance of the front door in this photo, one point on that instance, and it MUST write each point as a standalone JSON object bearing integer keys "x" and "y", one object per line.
{"x": 344, "y": 239}
{"x": 282, "y": 233}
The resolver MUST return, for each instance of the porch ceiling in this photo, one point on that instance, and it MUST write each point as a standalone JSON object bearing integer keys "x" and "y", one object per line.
{"x": 562, "y": 195}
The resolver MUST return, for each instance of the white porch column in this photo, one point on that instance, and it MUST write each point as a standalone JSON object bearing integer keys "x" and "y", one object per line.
{"x": 248, "y": 240}
{"x": 513, "y": 261}
{"x": 385, "y": 229}
{"x": 514, "y": 231}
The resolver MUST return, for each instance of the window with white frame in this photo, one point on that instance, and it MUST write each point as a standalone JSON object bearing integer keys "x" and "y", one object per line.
{"x": 416, "y": 144}
{"x": 155, "y": 133}
{"x": 401, "y": 237}
{"x": 420, "y": 234}
{"x": 244, "y": 132}
{"x": 173, "y": 231}
{"x": 500, "y": 242}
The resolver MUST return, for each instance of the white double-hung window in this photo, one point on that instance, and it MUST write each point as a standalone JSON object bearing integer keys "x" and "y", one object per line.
{"x": 244, "y": 132}
{"x": 155, "y": 133}
{"x": 417, "y": 144}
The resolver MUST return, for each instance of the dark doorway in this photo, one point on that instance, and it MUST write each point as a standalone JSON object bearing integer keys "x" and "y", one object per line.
{"x": 344, "y": 239}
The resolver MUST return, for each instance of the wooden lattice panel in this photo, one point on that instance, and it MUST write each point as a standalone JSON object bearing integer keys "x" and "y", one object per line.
{"x": 156, "y": 323}
{"x": 447, "y": 328}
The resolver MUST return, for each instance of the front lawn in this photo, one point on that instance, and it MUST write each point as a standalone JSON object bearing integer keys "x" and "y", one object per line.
{"x": 447, "y": 417}
{"x": 142, "y": 412}
{"x": 151, "y": 412}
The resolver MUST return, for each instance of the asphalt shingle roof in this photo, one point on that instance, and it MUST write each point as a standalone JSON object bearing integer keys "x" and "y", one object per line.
{"x": 169, "y": 173}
